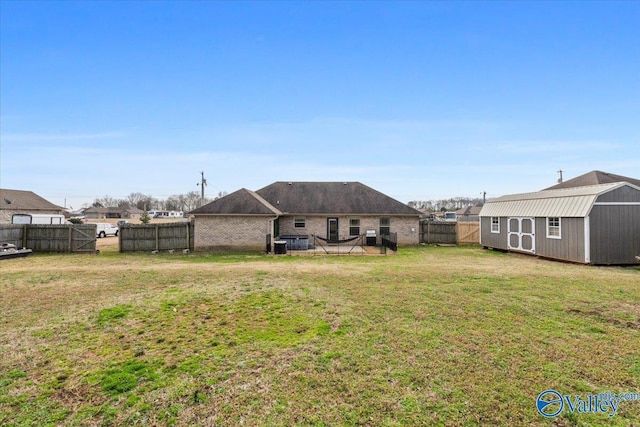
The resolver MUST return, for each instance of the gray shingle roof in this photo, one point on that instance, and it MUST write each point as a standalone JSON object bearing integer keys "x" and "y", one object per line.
{"x": 241, "y": 202}
{"x": 308, "y": 198}
{"x": 327, "y": 198}
{"x": 26, "y": 201}
{"x": 594, "y": 178}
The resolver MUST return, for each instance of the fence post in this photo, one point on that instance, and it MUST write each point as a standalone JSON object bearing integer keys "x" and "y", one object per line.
{"x": 70, "y": 239}
{"x": 157, "y": 239}
{"x": 24, "y": 236}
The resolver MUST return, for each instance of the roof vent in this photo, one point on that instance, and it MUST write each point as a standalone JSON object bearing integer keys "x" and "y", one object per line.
{"x": 7, "y": 201}
{"x": 344, "y": 183}
{"x": 290, "y": 183}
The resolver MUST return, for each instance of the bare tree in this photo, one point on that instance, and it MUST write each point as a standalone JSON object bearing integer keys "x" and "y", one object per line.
{"x": 178, "y": 202}
{"x": 191, "y": 200}
{"x": 106, "y": 202}
{"x": 142, "y": 201}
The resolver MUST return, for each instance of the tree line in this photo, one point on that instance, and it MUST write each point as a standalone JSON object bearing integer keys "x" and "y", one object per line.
{"x": 178, "y": 202}
{"x": 192, "y": 200}
{"x": 450, "y": 204}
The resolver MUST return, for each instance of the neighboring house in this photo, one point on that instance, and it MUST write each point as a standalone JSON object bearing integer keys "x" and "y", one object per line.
{"x": 20, "y": 201}
{"x": 592, "y": 224}
{"x": 113, "y": 212}
{"x": 331, "y": 210}
{"x": 470, "y": 213}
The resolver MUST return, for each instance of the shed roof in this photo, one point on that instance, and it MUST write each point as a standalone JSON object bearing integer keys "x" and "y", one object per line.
{"x": 594, "y": 178}
{"x": 565, "y": 202}
{"x": 241, "y": 202}
{"x": 25, "y": 200}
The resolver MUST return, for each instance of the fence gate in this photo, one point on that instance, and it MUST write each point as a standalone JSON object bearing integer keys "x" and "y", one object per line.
{"x": 83, "y": 239}
{"x": 468, "y": 232}
{"x": 521, "y": 234}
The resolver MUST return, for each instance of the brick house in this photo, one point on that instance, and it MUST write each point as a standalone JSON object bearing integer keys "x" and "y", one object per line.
{"x": 331, "y": 210}
{"x": 21, "y": 201}
{"x": 112, "y": 212}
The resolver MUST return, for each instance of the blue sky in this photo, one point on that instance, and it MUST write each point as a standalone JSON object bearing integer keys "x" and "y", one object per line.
{"x": 420, "y": 100}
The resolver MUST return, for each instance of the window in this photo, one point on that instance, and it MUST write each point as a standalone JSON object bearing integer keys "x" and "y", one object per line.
{"x": 495, "y": 224}
{"x": 385, "y": 226}
{"x": 553, "y": 228}
{"x": 354, "y": 227}
{"x": 299, "y": 223}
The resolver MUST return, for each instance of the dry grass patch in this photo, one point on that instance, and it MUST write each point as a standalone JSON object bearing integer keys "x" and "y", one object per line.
{"x": 430, "y": 336}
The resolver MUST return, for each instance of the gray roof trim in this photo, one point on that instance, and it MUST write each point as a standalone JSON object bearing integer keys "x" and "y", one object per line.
{"x": 566, "y": 202}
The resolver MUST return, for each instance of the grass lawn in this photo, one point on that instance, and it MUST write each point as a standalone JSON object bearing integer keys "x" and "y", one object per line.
{"x": 428, "y": 336}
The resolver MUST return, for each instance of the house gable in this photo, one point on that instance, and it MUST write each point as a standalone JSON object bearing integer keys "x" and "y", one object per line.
{"x": 241, "y": 202}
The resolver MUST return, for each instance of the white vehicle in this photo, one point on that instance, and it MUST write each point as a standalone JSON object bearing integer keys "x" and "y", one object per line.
{"x": 450, "y": 216}
{"x": 47, "y": 219}
{"x": 104, "y": 229}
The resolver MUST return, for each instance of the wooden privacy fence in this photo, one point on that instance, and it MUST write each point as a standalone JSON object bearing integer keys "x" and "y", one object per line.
{"x": 434, "y": 232}
{"x": 468, "y": 233}
{"x": 156, "y": 237}
{"x": 51, "y": 238}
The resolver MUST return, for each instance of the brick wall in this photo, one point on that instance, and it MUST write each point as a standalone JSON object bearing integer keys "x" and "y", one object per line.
{"x": 406, "y": 227}
{"x": 231, "y": 232}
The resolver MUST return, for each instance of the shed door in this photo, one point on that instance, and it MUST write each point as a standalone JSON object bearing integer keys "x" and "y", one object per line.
{"x": 521, "y": 234}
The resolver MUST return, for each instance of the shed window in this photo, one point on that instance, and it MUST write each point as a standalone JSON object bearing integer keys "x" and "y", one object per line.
{"x": 385, "y": 226}
{"x": 299, "y": 223}
{"x": 354, "y": 226}
{"x": 553, "y": 227}
{"x": 495, "y": 224}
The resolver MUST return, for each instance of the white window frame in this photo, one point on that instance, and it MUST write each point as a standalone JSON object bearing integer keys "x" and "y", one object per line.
{"x": 299, "y": 222}
{"x": 497, "y": 230}
{"x": 385, "y": 223}
{"x": 352, "y": 226}
{"x": 551, "y": 227}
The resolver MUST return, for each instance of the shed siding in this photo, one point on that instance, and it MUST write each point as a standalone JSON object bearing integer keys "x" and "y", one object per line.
{"x": 231, "y": 232}
{"x": 615, "y": 234}
{"x": 318, "y": 225}
{"x": 569, "y": 248}
{"x": 493, "y": 240}
{"x": 622, "y": 194}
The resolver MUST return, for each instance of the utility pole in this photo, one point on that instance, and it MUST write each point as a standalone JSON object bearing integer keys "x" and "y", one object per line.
{"x": 560, "y": 179}
{"x": 484, "y": 197}
{"x": 202, "y": 184}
